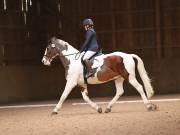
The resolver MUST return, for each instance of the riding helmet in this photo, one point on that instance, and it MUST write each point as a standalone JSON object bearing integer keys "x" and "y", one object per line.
{"x": 88, "y": 22}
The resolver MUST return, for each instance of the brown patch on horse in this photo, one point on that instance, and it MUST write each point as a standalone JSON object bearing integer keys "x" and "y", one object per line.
{"x": 66, "y": 63}
{"x": 55, "y": 41}
{"x": 64, "y": 60}
{"x": 112, "y": 67}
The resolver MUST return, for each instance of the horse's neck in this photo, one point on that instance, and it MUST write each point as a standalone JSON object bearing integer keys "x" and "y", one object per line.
{"x": 68, "y": 56}
{"x": 70, "y": 50}
{"x": 64, "y": 61}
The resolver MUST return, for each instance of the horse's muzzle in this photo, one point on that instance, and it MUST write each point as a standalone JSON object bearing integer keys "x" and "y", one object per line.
{"x": 46, "y": 62}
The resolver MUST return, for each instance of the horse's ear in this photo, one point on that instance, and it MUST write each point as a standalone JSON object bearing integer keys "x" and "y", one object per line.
{"x": 53, "y": 39}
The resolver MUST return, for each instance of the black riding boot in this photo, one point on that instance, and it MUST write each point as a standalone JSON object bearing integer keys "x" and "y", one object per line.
{"x": 88, "y": 65}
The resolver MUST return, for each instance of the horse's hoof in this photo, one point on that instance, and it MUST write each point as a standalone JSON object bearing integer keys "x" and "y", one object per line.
{"x": 152, "y": 107}
{"x": 54, "y": 113}
{"x": 99, "y": 110}
{"x": 108, "y": 110}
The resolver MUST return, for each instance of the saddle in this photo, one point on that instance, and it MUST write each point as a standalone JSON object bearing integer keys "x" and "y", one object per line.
{"x": 90, "y": 63}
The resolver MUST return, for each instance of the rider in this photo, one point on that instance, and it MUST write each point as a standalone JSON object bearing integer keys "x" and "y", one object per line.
{"x": 90, "y": 46}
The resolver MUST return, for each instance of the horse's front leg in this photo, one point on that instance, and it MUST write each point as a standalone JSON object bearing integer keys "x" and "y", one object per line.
{"x": 70, "y": 84}
{"x": 84, "y": 93}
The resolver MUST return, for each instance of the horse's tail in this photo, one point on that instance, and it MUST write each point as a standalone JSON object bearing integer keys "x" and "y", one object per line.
{"x": 144, "y": 76}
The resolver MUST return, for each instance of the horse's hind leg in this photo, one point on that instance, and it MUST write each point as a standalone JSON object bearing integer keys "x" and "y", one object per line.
{"x": 119, "y": 92}
{"x": 138, "y": 86}
{"x": 84, "y": 93}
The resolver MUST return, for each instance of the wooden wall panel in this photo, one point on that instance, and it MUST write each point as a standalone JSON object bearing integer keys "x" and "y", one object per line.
{"x": 144, "y": 39}
{"x": 143, "y": 20}
{"x": 135, "y": 24}
{"x": 120, "y": 5}
{"x": 25, "y": 28}
{"x": 121, "y": 20}
{"x": 140, "y": 12}
{"x": 130, "y": 24}
{"x": 122, "y": 40}
{"x": 171, "y": 18}
{"x": 170, "y": 3}
{"x": 105, "y": 41}
{"x": 149, "y": 28}
{"x": 100, "y": 6}
{"x": 1, "y": 4}
{"x": 14, "y": 5}
{"x": 142, "y": 4}
{"x": 11, "y": 18}
{"x": 102, "y": 22}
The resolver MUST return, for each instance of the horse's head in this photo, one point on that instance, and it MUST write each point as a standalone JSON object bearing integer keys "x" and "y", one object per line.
{"x": 54, "y": 48}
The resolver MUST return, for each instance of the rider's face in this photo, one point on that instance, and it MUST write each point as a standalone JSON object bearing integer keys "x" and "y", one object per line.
{"x": 86, "y": 27}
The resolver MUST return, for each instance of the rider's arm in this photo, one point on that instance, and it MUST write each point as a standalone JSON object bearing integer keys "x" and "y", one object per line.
{"x": 85, "y": 46}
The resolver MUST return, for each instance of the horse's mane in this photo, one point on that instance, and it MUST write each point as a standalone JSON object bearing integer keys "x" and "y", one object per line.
{"x": 62, "y": 42}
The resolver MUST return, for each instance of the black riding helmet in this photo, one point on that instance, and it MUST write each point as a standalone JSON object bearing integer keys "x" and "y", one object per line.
{"x": 88, "y": 22}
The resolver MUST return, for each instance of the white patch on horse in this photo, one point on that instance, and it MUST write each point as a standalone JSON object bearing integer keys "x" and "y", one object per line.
{"x": 45, "y": 52}
{"x": 44, "y": 59}
{"x": 98, "y": 61}
{"x": 62, "y": 42}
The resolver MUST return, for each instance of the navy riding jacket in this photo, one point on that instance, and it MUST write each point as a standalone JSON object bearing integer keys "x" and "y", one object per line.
{"x": 90, "y": 42}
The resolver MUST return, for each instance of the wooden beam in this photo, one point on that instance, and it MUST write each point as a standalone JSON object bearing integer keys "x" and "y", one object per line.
{"x": 113, "y": 26}
{"x": 130, "y": 24}
{"x": 158, "y": 28}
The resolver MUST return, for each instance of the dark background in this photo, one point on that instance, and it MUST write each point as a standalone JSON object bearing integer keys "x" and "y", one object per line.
{"x": 149, "y": 28}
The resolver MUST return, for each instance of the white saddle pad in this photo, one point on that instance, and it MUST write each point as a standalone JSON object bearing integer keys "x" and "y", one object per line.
{"x": 98, "y": 61}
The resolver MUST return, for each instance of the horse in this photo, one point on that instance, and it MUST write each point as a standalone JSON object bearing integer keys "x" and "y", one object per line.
{"x": 117, "y": 66}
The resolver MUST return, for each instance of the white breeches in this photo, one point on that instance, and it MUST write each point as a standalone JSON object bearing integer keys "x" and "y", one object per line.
{"x": 88, "y": 54}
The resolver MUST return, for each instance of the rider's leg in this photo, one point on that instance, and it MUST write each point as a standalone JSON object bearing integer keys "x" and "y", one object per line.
{"x": 86, "y": 57}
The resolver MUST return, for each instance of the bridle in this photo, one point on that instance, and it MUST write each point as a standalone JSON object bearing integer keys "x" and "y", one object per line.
{"x": 76, "y": 54}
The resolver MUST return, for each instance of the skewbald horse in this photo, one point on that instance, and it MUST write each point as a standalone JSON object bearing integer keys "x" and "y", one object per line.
{"x": 115, "y": 66}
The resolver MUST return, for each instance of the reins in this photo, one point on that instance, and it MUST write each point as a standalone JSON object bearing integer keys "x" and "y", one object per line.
{"x": 76, "y": 58}
{"x": 68, "y": 54}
